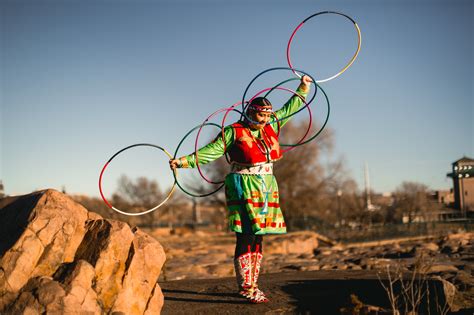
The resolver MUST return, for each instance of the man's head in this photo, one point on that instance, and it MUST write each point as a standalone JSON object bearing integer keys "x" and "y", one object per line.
{"x": 260, "y": 112}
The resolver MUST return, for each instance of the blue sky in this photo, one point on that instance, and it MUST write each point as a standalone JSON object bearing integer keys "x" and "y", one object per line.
{"x": 82, "y": 79}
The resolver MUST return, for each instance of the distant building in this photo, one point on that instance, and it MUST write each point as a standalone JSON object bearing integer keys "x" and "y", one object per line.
{"x": 445, "y": 197}
{"x": 463, "y": 184}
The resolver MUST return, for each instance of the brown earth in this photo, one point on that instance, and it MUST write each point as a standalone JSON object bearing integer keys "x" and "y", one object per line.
{"x": 310, "y": 292}
{"x": 307, "y": 257}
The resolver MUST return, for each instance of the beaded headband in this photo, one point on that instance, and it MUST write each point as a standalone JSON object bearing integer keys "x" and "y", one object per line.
{"x": 261, "y": 104}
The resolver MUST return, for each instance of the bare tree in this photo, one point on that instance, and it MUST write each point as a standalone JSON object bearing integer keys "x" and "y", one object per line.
{"x": 143, "y": 192}
{"x": 348, "y": 202}
{"x": 215, "y": 173}
{"x": 310, "y": 179}
{"x": 411, "y": 199}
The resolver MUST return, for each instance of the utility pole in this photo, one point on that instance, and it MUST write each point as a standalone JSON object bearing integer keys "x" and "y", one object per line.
{"x": 196, "y": 212}
{"x": 339, "y": 219}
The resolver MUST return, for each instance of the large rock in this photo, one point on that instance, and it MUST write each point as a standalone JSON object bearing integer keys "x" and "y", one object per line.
{"x": 58, "y": 257}
{"x": 79, "y": 291}
{"x": 295, "y": 243}
{"x": 144, "y": 266}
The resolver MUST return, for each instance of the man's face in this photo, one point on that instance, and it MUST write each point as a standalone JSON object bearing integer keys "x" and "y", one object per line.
{"x": 262, "y": 118}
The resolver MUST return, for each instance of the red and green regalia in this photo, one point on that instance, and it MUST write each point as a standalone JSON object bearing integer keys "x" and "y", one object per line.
{"x": 251, "y": 188}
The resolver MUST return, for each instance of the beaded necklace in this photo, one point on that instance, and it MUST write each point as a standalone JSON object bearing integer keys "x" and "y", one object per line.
{"x": 266, "y": 147}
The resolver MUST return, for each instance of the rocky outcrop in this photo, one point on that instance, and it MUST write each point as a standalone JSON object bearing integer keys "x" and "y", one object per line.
{"x": 56, "y": 256}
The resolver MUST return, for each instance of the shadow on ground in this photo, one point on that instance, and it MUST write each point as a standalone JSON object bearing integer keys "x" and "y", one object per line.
{"x": 312, "y": 292}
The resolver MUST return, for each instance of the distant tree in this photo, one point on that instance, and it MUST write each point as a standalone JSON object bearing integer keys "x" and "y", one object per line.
{"x": 411, "y": 199}
{"x": 137, "y": 196}
{"x": 96, "y": 205}
{"x": 349, "y": 203}
{"x": 215, "y": 172}
{"x": 143, "y": 194}
{"x": 309, "y": 179}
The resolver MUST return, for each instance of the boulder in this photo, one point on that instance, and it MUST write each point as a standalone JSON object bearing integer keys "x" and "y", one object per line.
{"x": 156, "y": 302}
{"x": 79, "y": 292}
{"x": 57, "y": 257}
{"x": 297, "y": 243}
{"x": 144, "y": 265}
{"x": 431, "y": 246}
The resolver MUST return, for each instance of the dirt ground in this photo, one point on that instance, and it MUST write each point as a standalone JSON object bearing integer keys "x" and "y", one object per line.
{"x": 311, "y": 292}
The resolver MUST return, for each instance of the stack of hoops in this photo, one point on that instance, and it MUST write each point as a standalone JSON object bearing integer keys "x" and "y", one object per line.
{"x": 243, "y": 105}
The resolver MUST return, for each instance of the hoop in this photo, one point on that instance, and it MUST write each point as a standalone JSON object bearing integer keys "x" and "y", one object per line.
{"x": 227, "y": 110}
{"x": 320, "y": 130}
{"x": 146, "y": 211}
{"x": 278, "y": 87}
{"x": 273, "y": 69}
{"x": 223, "y": 126}
{"x": 288, "y": 48}
{"x": 176, "y": 153}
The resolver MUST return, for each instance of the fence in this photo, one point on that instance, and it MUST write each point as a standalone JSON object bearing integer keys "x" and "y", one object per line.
{"x": 382, "y": 232}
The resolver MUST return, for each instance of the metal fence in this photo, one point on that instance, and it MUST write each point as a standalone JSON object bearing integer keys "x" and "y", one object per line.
{"x": 390, "y": 231}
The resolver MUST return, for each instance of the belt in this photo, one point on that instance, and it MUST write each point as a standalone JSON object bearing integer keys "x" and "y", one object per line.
{"x": 262, "y": 169}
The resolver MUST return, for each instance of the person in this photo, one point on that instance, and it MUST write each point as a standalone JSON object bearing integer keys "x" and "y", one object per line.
{"x": 251, "y": 190}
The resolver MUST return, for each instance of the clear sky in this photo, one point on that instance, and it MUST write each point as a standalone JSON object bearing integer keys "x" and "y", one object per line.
{"x": 82, "y": 79}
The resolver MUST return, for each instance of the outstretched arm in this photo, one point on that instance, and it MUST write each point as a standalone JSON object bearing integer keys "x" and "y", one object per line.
{"x": 295, "y": 102}
{"x": 206, "y": 154}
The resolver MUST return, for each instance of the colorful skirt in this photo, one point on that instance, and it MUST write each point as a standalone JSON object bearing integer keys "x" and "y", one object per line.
{"x": 253, "y": 204}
